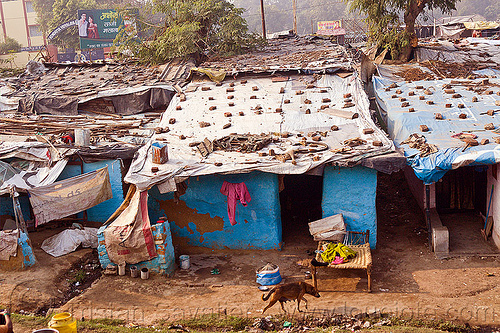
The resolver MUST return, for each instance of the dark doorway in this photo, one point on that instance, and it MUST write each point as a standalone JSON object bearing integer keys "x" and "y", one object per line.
{"x": 461, "y": 200}
{"x": 300, "y": 202}
{"x": 463, "y": 189}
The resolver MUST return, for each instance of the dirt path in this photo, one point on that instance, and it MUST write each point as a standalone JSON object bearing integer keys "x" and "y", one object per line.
{"x": 41, "y": 286}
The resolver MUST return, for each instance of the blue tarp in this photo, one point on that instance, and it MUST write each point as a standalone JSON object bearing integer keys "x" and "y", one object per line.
{"x": 451, "y": 155}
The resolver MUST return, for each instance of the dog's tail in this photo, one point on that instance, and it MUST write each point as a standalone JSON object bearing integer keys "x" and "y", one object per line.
{"x": 266, "y": 297}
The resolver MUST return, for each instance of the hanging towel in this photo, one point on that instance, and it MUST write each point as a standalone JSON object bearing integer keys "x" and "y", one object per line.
{"x": 235, "y": 192}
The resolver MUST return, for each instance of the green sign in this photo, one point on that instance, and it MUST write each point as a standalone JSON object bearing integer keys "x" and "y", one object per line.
{"x": 98, "y": 28}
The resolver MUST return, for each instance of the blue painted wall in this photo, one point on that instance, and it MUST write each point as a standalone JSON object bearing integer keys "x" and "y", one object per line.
{"x": 104, "y": 210}
{"x": 352, "y": 192}
{"x": 28, "y": 255}
{"x": 7, "y": 208}
{"x": 201, "y": 217}
{"x": 163, "y": 264}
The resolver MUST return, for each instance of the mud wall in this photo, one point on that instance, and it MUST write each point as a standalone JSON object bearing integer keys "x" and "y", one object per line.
{"x": 104, "y": 210}
{"x": 200, "y": 217}
{"x": 352, "y": 192}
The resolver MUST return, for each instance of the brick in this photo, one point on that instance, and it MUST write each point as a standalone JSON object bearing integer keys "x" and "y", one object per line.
{"x": 489, "y": 127}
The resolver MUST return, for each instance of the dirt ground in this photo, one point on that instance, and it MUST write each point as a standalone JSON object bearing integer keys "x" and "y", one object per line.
{"x": 408, "y": 280}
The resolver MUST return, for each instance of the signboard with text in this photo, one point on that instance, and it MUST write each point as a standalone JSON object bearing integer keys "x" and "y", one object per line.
{"x": 331, "y": 28}
{"x": 98, "y": 28}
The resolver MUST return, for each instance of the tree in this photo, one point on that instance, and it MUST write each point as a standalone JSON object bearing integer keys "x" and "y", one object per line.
{"x": 10, "y": 45}
{"x": 490, "y": 9}
{"x": 383, "y": 19}
{"x": 44, "y": 13}
{"x": 201, "y": 27}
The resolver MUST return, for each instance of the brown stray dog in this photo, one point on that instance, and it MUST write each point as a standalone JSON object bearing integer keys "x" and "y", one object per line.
{"x": 289, "y": 292}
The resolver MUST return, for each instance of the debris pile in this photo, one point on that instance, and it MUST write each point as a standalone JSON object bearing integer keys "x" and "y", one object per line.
{"x": 246, "y": 143}
{"x": 291, "y": 54}
{"x": 418, "y": 141}
{"x": 87, "y": 79}
{"x": 453, "y": 70}
{"x": 320, "y": 320}
{"x": 415, "y": 74}
{"x": 55, "y": 129}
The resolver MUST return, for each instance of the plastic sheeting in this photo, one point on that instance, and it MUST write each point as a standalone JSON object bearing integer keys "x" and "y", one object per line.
{"x": 481, "y": 25}
{"x": 70, "y": 196}
{"x": 8, "y": 243}
{"x": 69, "y": 240}
{"x": 330, "y": 228}
{"x": 469, "y": 50}
{"x": 451, "y": 154}
{"x": 28, "y": 179}
{"x": 134, "y": 100}
{"x": 186, "y": 161}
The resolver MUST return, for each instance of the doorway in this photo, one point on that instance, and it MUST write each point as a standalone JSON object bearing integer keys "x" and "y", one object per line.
{"x": 300, "y": 200}
{"x": 461, "y": 200}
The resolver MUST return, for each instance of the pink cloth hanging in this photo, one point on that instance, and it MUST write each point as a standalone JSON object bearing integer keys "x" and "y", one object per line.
{"x": 235, "y": 192}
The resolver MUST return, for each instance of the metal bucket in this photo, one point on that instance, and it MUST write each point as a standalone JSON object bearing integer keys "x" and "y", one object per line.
{"x": 82, "y": 137}
{"x": 121, "y": 269}
{"x": 184, "y": 261}
{"x": 134, "y": 272}
{"x": 145, "y": 273}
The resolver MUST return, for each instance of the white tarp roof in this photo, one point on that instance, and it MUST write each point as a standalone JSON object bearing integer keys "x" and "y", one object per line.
{"x": 186, "y": 161}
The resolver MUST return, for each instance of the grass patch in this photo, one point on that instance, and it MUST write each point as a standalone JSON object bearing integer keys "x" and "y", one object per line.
{"x": 30, "y": 321}
{"x": 79, "y": 277}
{"x": 223, "y": 323}
{"x": 214, "y": 321}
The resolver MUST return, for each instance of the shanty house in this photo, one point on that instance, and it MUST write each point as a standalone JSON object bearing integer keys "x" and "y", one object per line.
{"x": 117, "y": 107}
{"x": 444, "y": 116}
{"x": 288, "y": 133}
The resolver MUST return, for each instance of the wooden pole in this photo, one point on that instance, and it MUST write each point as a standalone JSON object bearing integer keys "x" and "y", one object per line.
{"x": 263, "y": 19}
{"x": 294, "y": 3}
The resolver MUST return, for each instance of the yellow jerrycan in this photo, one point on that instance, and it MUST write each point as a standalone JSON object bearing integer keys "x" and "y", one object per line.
{"x": 63, "y": 322}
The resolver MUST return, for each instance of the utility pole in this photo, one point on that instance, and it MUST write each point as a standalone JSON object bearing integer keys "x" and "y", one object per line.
{"x": 294, "y": 3}
{"x": 263, "y": 19}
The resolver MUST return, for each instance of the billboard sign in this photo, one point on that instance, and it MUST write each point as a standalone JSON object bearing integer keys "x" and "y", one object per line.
{"x": 331, "y": 28}
{"x": 98, "y": 28}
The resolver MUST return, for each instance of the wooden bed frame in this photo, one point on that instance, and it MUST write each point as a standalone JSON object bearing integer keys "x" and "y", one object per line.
{"x": 357, "y": 241}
